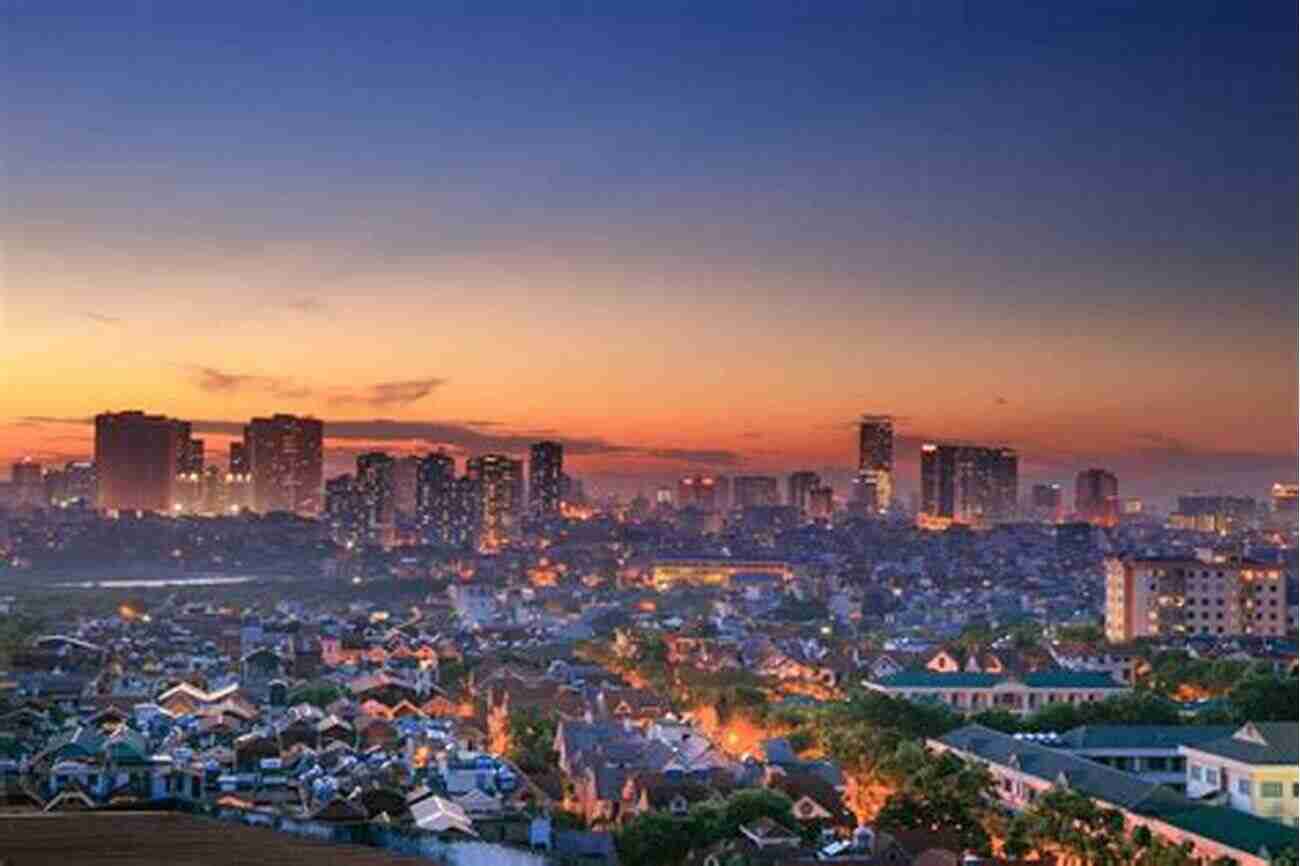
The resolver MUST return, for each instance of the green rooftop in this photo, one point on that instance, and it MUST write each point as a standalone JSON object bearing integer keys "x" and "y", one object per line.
{"x": 963, "y": 680}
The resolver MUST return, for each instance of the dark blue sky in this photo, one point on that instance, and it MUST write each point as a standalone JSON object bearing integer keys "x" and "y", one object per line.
{"x": 1125, "y": 173}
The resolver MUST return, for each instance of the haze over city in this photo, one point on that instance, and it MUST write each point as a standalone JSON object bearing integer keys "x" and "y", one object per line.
{"x": 673, "y": 244}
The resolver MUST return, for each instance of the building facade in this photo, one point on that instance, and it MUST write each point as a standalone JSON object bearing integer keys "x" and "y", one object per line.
{"x": 545, "y": 479}
{"x": 874, "y": 483}
{"x": 1151, "y": 597}
{"x": 435, "y": 483}
{"x": 1096, "y": 497}
{"x": 967, "y": 484}
{"x": 1252, "y": 770}
{"x": 750, "y": 491}
{"x": 376, "y": 501}
{"x": 499, "y": 483}
{"x": 136, "y": 456}
{"x": 285, "y": 454}
{"x": 798, "y": 487}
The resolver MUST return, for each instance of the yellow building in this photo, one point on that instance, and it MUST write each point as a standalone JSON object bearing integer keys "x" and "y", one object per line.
{"x": 1254, "y": 770}
{"x": 711, "y": 571}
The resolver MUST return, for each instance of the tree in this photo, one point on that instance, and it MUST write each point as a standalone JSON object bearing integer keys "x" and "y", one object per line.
{"x": 532, "y": 738}
{"x": 748, "y": 805}
{"x": 318, "y": 693}
{"x": 1131, "y": 709}
{"x": 1071, "y": 826}
{"x": 1083, "y": 633}
{"x": 1265, "y": 699}
{"x": 999, "y": 720}
{"x": 1054, "y": 717}
{"x": 942, "y": 793}
{"x": 653, "y": 839}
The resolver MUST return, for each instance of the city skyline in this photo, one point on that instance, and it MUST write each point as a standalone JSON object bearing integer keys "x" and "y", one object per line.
{"x": 570, "y": 238}
{"x": 346, "y": 440}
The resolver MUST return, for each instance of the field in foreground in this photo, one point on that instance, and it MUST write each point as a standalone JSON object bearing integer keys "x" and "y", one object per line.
{"x": 91, "y": 839}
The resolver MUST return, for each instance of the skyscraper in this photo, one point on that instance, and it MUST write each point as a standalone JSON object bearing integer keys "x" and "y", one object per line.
{"x": 342, "y": 511}
{"x": 1046, "y": 501}
{"x": 285, "y": 455}
{"x": 238, "y": 493}
{"x": 136, "y": 457}
{"x": 435, "y": 483}
{"x": 821, "y": 503}
{"x": 29, "y": 484}
{"x": 874, "y": 484}
{"x": 749, "y": 491}
{"x": 698, "y": 491}
{"x": 545, "y": 472}
{"x": 499, "y": 484}
{"x": 963, "y": 483}
{"x": 1096, "y": 497}
{"x": 188, "y": 494}
{"x": 375, "y": 499}
{"x": 799, "y": 485}
{"x": 406, "y": 479}
{"x": 79, "y": 482}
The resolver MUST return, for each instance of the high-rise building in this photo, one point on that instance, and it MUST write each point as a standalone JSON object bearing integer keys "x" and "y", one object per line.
{"x": 545, "y": 473}
{"x": 821, "y": 503}
{"x": 343, "y": 511}
{"x": 238, "y": 492}
{"x": 406, "y": 478}
{"x": 749, "y": 491}
{"x": 1096, "y": 497}
{"x": 435, "y": 503}
{"x": 188, "y": 493}
{"x": 286, "y": 458}
{"x": 1286, "y": 498}
{"x": 79, "y": 482}
{"x": 136, "y": 458}
{"x": 874, "y": 484}
{"x": 699, "y": 491}
{"x": 375, "y": 499}
{"x": 798, "y": 486}
{"x": 29, "y": 484}
{"x": 1045, "y": 501}
{"x": 466, "y": 512}
{"x": 499, "y": 481}
{"x": 968, "y": 484}
{"x": 1222, "y": 514}
{"x": 1046, "y": 496}
{"x": 1210, "y": 595}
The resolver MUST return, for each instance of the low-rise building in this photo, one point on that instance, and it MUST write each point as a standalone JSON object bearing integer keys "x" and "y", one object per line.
{"x": 1151, "y": 752}
{"x": 1023, "y": 770}
{"x": 1254, "y": 770}
{"x": 1022, "y": 695}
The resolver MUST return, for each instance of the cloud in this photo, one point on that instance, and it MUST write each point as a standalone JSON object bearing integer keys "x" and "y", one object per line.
{"x": 104, "y": 319}
{"x": 709, "y": 456}
{"x": 478, "y": 437}
{"x": 306, "y": 305}
{"x": 215, "y": 381}
{"x": 386, "y": 394}
{"x": 1161, "y": 442}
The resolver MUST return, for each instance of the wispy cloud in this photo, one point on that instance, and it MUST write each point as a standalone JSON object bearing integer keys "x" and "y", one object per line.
{"x": 215, "y": 381}
{"x": 389, "y": 394}
{"x": 307, "y": 305}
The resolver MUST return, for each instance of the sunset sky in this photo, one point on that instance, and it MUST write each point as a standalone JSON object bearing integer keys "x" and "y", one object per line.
{"x": 680, "y": 240}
